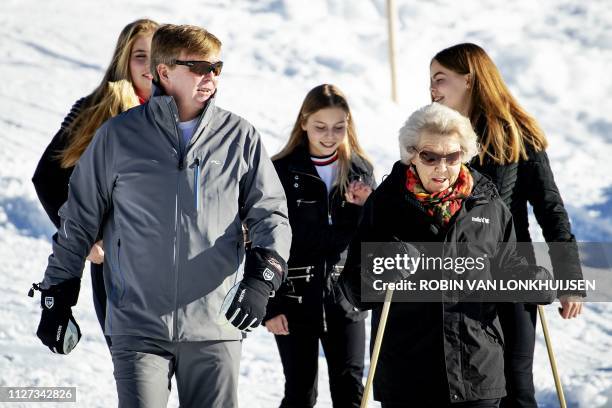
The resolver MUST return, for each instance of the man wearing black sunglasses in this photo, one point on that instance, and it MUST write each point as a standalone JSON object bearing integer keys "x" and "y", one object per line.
{"x": 169, "y": 185}
{"x": 191, "y": 79}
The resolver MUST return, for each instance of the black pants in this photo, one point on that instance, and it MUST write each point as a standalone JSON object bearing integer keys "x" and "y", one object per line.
{"x": 344, "y": 347}
{"x": 99, "y": 296}
{"x": 489, "y": 403}
{"x": 518, "y": 322}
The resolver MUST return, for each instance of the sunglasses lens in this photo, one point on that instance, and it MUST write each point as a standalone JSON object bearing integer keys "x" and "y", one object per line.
{"x": 429, "y": 158}
{"x": 217, "y": 66}
{"x": 201, "y": 68}
{"x": 432, "y": 159}
{"x": 453, "y": 158}
{"x": 204, "y": 67}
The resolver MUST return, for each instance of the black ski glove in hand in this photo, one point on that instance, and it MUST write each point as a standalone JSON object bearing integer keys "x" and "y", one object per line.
{"x": 264, "y": 271}
{"x": 391, "y": 249}
{"x": 535, "y": 273}
{"x": 58, "y": 329}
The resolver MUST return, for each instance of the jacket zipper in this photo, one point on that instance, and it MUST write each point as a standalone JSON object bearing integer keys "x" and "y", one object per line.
{"x": 196, "y": 182}
{"x": 329, "y": 222}
{"x": 181, "y": 165}
{"x": 296, "y": 297}
{"x": 451, "y": 229}
{"x": 323, "y": 300}
{"x": 301, "y": 201}
{"x": 306, "y": 275}
{"x": 329, "y": 216}
{"x": 176, "y": 223}
{"x": 121, "y": 277}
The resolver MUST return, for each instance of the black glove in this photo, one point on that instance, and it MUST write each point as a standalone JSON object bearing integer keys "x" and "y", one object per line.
{"x": 537, "y": 273}
{"x": 389, "y": 250}
{"x": 264, "y": 271}
{"x": 58, "y": 329}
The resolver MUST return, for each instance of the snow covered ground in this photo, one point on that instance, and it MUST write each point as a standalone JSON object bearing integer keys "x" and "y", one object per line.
{"x": 555, "y": 54}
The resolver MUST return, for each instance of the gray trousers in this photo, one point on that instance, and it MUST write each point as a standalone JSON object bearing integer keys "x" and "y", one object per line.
{"x": 206, "y": 372}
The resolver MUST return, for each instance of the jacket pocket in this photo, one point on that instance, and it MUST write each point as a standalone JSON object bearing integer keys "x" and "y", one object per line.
{"x": 117, "y": 284}
{"x": 343, "y": 308}
{"x": 306, "y": 212}
{"x": 492, "y": 334}
{"x": 300, "y": 202}
{"x": 197, "y": 172}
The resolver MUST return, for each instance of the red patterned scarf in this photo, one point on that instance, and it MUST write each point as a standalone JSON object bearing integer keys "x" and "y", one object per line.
{"x": 444, "y": 204}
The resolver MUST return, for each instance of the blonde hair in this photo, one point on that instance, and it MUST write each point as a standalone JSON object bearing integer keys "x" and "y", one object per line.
{"x": 170, "y": 39}
{"x": 321, "y": 97}
{"x": 437, "y": 119}
{"x": 504, "y": 127}
{"x": 114, "y": 94}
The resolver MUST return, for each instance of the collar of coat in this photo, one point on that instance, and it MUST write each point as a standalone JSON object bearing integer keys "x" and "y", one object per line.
{"x": 299, "y": 161}
{"x": 165, "y": 111}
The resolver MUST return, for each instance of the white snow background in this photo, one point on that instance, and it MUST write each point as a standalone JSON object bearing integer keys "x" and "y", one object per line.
{"x": 554, "y": 54}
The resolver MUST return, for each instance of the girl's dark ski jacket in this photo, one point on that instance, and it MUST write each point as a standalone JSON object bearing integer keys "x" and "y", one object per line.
{"x": 322, "y": 225}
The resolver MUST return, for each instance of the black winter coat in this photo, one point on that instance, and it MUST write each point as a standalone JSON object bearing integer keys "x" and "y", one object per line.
{"x": 322, "y": 226}
{"x": 531, "y": 181}
{"x": 50, "y": 179}
{"x": 435, "y": 353}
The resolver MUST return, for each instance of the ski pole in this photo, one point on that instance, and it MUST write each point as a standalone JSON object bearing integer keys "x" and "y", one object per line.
{"x": 551, "y": 357}
{"x": 377, "y": 343}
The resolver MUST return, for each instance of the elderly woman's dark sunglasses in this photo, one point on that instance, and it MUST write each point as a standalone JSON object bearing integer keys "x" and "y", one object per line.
{"x": 433, "y": 159}
{"x": 202, "y": 67}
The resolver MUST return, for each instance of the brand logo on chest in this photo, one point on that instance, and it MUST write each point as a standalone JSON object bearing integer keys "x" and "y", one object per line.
{"x": 481, "y": 220}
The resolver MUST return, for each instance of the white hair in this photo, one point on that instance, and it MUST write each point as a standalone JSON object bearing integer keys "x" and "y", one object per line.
{"x": 437, "y": 119}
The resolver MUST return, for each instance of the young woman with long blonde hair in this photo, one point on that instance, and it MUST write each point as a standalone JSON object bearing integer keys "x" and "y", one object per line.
{"x": 327, "y": 178}
{"x": 126, "y": 83}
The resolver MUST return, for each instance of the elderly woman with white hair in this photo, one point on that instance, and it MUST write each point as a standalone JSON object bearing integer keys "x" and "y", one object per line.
{"x": 437, "y": 354}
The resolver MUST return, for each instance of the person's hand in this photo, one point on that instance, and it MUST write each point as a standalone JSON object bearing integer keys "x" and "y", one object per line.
{"x": 248, "y": 306}
{"x": 529, "y": 272}
{"x": 96, "y": 255}
{"x": 358, "y": 192}
{"x": 278, "y": 325}
{"x": 571, "y": 306}
{"x": 264, "y": 270}
{"x": 58, "y": 328}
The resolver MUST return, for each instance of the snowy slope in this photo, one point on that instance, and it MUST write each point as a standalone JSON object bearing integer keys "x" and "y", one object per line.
{"x": 555, "y": 55}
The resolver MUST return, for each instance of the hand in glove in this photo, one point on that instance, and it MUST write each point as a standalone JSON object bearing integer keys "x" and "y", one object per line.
{"x": 390, "y": 249}
{"x": 264, "y": 270}
{"x": 536, "y": 273}
{"x": 58, "y": 329}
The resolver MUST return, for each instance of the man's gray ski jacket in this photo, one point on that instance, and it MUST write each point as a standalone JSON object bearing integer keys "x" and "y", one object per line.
{"x": 171, "y": 218}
